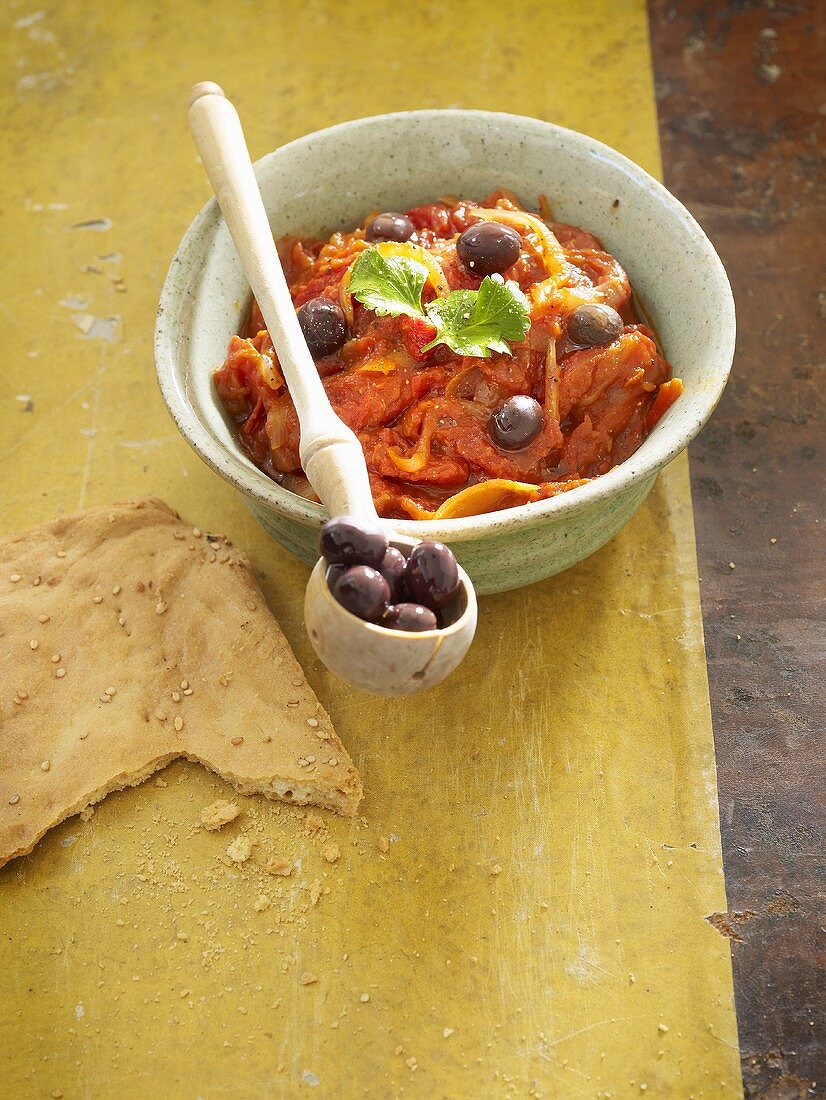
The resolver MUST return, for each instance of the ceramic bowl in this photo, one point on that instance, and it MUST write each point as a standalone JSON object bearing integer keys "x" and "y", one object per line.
{"x": 329, "y": 179}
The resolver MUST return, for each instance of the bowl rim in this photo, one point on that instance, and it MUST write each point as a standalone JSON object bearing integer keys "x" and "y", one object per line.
{"x": 661, "y": 448}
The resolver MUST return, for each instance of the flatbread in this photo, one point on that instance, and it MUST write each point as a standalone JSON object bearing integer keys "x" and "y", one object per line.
{"x": 129, "y": 638}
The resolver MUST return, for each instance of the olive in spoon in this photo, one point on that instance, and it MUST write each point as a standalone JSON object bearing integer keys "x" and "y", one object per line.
{"x": 375, "y": 658}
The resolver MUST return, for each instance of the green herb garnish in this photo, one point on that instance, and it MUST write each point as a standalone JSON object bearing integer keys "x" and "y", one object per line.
{"x": 389, "y": 285}
{"x": 477, "y": 322}
{"x": 469, "y": 322}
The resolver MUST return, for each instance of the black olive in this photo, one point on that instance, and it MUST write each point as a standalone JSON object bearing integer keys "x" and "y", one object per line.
{"x": 592, "y": 325}
{"x": 432, "y": 575}
{"x": 392, "y": 569}
{"x": 323, "y": 325}
{"x": 348, "y": 541}
{"x": 516, "y": 423}
{"x": 390, "y": 226}
{"x": 363, "y": 592}
{"x": 489, "y": 248}
{"x": 409, "y": 616}
{"x": 333, "y": 573}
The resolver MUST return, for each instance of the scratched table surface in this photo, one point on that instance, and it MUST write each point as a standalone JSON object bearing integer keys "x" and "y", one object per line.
{"x": 539, "y": 922}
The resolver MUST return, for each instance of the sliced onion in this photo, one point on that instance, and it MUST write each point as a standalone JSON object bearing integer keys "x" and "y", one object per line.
{"x": 345, "y": 299}
{"x": 551, "y": 381}
{"x": 412, "y": 507}
{"x": 487, "y": 496}
{"x": 421, "y": 456}
{"x": 458, "y": 378}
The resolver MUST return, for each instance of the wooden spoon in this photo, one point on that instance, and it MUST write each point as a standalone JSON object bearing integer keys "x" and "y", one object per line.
{"x": 382, "y": 661}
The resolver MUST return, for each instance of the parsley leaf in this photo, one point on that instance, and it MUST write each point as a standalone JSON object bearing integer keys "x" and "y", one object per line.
{"x": 477, "y": 322}
{"x": 470, "y": 322}
{"x": 389, "y": 285}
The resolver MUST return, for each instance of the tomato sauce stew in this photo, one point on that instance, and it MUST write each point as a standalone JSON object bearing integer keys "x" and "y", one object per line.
{"x": 537, "y": 377}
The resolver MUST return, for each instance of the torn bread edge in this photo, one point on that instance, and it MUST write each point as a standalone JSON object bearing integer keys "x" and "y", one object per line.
{"x": 279, "y": 790}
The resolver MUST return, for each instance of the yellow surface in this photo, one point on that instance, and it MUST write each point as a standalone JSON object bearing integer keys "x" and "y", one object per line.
{"x": 573, "y": 750}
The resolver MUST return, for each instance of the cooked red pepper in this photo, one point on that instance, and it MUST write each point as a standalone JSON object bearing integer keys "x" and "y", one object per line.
{"x": 666, "y": 396}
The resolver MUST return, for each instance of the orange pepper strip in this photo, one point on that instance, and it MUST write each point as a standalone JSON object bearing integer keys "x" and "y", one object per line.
{"x": 666, "y": 396}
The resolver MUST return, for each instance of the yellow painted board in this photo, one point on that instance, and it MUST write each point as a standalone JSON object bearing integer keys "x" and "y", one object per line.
{"x": 537, "y": 925}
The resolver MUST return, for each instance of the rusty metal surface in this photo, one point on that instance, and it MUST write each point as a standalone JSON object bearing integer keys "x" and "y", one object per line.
{"x": 740, "y": 96}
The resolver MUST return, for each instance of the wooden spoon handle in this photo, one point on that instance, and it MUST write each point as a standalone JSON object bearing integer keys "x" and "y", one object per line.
{"x": 330, "y": 452}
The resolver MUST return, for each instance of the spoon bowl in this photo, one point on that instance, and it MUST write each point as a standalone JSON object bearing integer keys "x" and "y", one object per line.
{"x": 383, "y": 661}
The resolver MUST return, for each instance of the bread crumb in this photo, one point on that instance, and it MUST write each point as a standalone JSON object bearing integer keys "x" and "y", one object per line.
{"x": 275, "y": 865}
{"x": 262, "y": 903}
{"x": 307, "y": 978}
{"x": 448, "y": 1031}
{"x": 315, "y": 823}
{"x": 496, "y": 869}
{"x": 87, "y": 814}
{"x": 662, "y": 1028}
{"x": 384, "y": 844}
{"x": 331, "y": 853}
{"x": 241, "y": 848}
{"x": 364, "y": 998}
{"x": 316, "y": 890}
{"x": 218, "y": 814}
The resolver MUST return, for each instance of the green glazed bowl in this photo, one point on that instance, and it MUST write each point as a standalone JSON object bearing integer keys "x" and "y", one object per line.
{"x": 328, "y": 180}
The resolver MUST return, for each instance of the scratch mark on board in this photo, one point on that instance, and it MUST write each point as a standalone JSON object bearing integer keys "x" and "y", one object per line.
{"x": 97, "y": 225}
{"x": 98, "y": 328}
